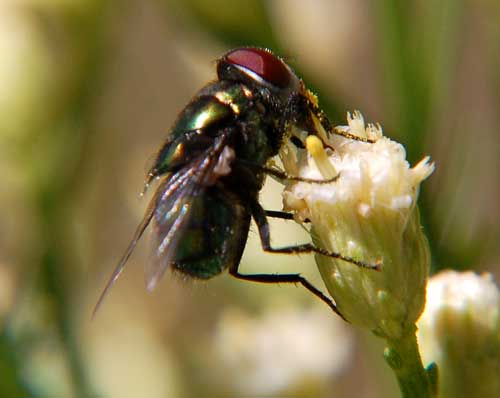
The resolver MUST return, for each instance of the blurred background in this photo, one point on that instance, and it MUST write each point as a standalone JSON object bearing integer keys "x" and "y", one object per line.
{"x": 88, "y": 91}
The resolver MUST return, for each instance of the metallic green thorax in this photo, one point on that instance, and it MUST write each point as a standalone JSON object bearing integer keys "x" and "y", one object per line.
{"x": 217, "y": 106}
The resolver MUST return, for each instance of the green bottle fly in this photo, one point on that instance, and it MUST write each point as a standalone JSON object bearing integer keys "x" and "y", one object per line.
{"x": 213, "y": 165}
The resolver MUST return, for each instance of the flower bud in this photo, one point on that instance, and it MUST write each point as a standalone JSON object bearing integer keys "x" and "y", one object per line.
{"x": 460, "y": 331}
{"x": 369, "y": 214}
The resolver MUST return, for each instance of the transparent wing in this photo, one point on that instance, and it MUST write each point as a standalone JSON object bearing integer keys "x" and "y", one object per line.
{"x": 170, "y": 218}
{"x": 170, "y": 208}
{"x": 133, "y": 243}
{"x": 174, "y": 207}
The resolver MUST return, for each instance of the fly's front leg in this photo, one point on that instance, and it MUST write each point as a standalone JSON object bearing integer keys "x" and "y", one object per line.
{"x": 282, "y": 176}
{"x": 327, "y": 125}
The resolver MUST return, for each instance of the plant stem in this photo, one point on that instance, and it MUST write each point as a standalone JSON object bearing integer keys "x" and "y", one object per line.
{"x": 403, "y": 357}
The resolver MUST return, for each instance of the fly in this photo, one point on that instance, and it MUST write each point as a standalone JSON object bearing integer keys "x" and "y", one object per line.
{"x": 213, "y": 165}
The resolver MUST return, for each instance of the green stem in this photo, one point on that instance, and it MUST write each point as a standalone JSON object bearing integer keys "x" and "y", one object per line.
{"x": 403, "y": 357}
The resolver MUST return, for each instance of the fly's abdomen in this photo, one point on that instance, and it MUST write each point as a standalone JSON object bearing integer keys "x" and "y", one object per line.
{"x": 214, "y": 237}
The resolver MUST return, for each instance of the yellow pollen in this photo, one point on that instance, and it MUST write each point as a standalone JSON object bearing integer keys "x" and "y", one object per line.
{"x": 315, "y": 147}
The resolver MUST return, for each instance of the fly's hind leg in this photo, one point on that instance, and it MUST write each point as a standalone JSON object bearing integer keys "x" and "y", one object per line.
{"x": 259, "y": 214}
{"x": 286, "y": 278}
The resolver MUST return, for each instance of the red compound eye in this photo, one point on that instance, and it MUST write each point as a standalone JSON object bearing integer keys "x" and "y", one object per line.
{"x": 263, "y": 63}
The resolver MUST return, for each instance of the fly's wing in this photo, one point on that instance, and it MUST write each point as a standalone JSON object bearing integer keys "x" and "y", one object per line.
{"x": 174, "y": 206}
{"x": 133, "y": 243}
{"x": 171, "y": 216}
{"x": 171, "y": 205}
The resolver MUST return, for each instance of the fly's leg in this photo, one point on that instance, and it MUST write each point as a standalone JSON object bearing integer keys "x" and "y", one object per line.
{"x": 283, "y": 215}
{"x": 279, "y": 214}
{"x": 286, "y": 278}
{"x": 278, "y": 278}
{"x": 282, "y": 176}
{"x": 259, "y": 216}
{"x": 327, "y": 125}
{"x": 300, "y": 104}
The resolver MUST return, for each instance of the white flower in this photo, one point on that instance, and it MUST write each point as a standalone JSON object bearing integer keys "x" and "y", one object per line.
{"x": 460, "y": 331}
{"x": 369, "y": 214}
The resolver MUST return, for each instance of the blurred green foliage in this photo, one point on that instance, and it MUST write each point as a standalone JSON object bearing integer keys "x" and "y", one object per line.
{"x": 235, "y": 23}
{"x": 53, "y": 144}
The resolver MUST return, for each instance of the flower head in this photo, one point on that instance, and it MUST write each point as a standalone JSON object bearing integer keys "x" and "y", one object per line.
{"x": 460, "y": 331}
{"x": 369, "y": 214}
